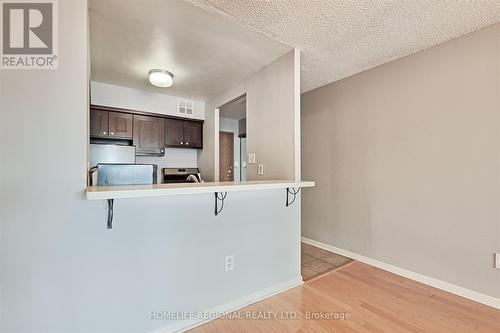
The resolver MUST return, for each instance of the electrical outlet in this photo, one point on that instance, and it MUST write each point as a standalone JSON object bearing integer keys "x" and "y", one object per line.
{"x": 260, "y": 171}
{"x": 497, "y": 260}
{"x": 229, "y": 263}
{"x": 251, "y": 158}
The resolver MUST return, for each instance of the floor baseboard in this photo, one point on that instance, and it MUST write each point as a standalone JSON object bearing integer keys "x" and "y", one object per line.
{"x": 446, "y": 286}
{"x": 184, "y": 325}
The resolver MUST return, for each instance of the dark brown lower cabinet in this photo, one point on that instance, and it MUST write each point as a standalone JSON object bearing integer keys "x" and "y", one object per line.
{"x": 149, "y": 135}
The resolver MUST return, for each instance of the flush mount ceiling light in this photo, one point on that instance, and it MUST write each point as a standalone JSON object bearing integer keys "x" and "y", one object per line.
{"x": 161, "y": 78}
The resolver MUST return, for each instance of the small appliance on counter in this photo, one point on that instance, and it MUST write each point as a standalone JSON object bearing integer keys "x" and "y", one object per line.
{"x": 181, "y": 175}
{"x": 115, "y": 165}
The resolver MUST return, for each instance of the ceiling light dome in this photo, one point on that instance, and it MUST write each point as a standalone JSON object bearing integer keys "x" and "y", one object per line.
{"x": 161, "y": 78}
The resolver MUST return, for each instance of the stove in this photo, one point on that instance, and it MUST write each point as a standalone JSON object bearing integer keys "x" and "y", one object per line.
{"x": 181, "y": 175}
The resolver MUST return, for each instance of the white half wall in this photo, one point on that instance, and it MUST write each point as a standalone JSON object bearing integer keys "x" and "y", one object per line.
{"x": 61, "y": 270}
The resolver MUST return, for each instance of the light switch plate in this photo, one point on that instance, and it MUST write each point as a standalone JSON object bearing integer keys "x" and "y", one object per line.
{"x": 497, "y": 260}
{"x": 251, "y": 158}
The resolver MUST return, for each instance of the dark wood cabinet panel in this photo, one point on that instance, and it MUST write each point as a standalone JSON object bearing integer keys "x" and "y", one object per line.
{"x": 193, "y": 134}
{"x": 174, "y": 133}
{"x": 149, "y": 135}
{"x": 183, "y": 134}
{"x": 120, "y": 125}
{"x": 99, "y": 123}
{"x": 150, "y": 132}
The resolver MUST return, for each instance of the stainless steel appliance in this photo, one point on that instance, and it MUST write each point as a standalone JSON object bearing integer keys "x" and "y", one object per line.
{"x": 115, "y": 165}
{"x": 125, "y": 174}
{"x": 181, "y": 175}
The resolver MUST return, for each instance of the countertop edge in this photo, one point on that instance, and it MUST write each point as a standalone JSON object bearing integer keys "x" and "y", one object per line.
{"x": 161, "y": 190}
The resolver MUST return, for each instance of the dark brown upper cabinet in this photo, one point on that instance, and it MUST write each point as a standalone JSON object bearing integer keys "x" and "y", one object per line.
{"x": 149, "y": 135}
{"x": 183, "y": 133}
{"x": 150, "y": 132}
{"x": 110, "y": 125}
{"x": 193, "y": 134}
{"x": 174, "y": 133}
{"x": 99, "y": 123}
{"x": 120, "y": 125}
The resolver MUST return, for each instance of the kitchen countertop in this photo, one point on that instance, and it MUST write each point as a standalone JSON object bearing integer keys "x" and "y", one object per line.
{"x": 159, "y": 190}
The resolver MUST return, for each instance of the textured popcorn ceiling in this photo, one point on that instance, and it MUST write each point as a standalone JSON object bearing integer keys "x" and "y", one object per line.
{"x": 339, "y": 38}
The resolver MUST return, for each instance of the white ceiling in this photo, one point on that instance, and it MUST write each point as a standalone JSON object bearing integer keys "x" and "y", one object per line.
{"x": 339, "y": 38}
{"x": 236, "y": 109}
{"x": 206, "y": 52}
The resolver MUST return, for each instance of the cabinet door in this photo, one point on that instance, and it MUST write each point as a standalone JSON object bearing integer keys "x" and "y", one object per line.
{"x": 174, "y": 133}
{"x": 120, "y": 125}
{"x": 99, "y": 123}
{"x": 193, "y": 134}
{"x": 149, "y": 135}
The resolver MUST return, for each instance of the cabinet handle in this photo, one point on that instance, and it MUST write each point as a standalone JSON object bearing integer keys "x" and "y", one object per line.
{"x": 104, "y": 132}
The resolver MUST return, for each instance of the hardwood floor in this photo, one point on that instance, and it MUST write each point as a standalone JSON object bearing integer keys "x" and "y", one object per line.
{"x": 361, "y": 298}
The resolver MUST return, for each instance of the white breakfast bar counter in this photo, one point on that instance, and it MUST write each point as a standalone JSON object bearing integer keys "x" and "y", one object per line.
{"x": 220, "y": 190}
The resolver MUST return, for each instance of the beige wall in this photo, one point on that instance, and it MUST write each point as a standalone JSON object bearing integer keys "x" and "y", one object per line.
{"x": 406, "y": 159}
{"x": 273, "y": 100}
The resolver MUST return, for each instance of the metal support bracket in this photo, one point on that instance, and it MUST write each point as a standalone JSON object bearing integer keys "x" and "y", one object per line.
{"x": 110, "y": 213}
{"x": 293, "y": 192}
{"x": 219, "y": 196}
